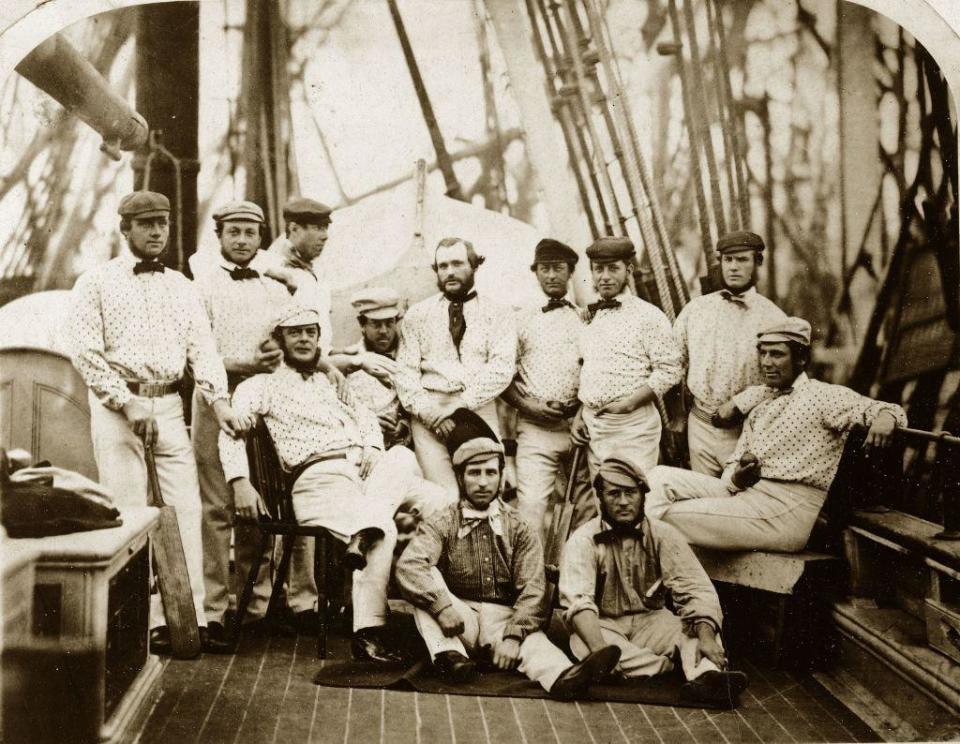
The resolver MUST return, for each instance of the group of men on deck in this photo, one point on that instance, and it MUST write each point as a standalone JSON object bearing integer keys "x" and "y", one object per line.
{"x": 401, "y": 430}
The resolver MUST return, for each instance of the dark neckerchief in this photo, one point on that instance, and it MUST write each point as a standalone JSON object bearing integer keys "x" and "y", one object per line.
{"x": 615, "y": 534}
{"x": 239, "y": 273}
{"x": 555, "y": 303}
{"x": 148, "y": 267}
{"x": 594, "y": 307}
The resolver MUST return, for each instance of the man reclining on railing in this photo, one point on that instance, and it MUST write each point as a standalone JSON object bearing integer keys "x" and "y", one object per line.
{"x": 474, "y": 572}
{"x": 342, "y": 479}
{"x": 618, "y": 572}
{"x": 777, "y": 478}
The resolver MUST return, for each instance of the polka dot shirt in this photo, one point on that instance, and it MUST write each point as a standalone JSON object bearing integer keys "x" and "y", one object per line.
{"x": 548, "y": 357}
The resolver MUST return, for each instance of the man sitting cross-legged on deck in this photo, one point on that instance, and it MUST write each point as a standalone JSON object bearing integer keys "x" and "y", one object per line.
{"x": 617, "y": 572}
{"x": 342, "y": 479}
{"x": 474, "y": 571}
{"x": 777, "y": 478}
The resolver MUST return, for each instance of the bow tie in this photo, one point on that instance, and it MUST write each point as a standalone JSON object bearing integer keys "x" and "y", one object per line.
{"x": 147, "y": 267}
{"x": 471, "y": 518}
{"x": 734, "y": 299}
{"x": 615, "y": 534}
{"x": 593, "y": 307}
{"x": 242, "y": 272}
{"x": 555, "y": 304}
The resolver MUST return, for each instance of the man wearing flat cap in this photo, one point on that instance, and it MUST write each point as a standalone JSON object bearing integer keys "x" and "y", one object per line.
{"x": 291, "y": 258}
{"x": 620, "y": 573}
{"x": 457, "y": 350}
{"x": 474, "y": 572}
{"x": 136, "y": 325}
{"x": 544, "y": 391}
{"x": 342, "y": 479}
{"x": 629, "y": 360}
{"x": 717, "y": 337}
{"x": 777, "y": 477}
{"x": 242, "y": 305}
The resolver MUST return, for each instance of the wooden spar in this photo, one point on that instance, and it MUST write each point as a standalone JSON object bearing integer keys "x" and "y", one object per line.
{"x": 568, "y": 92}
{"x": 609, "y": 193}
{"x": 561, "y": 110}
{"x": 636, "y": 156}
{"x": 630, "y": 164}
{"x": 676, "y": 49}
{"x": 436, "y": 136}
{"x": 723, "y": 109}
{"x": 703, "y": 117}
{"x": 736, "y": 124}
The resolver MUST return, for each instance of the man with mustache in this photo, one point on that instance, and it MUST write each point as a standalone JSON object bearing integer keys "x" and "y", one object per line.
{"x": 474, "y": 572}
{"x": 136, "y": 325}
{"x": 242, "y": 305}
{"x": 777, "y": 477}
{"x": 544, "y": 392}
{"x": 717, "y": 335}
{"x": 342, "y": 479}
{"x": 618, "y": 572}
{"x": 457, "y": 350}
{"x": 629, "y": 360}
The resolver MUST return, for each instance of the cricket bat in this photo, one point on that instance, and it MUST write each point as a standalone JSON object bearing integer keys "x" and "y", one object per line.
{"x": 170, "y": 569}
{"x": 559, "y": 532}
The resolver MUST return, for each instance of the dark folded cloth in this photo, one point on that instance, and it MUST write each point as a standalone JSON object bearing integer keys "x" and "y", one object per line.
{"x": 37, "y": 508}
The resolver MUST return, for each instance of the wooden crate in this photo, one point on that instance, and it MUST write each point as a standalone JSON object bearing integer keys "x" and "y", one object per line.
{"x": 91, "y": 607}
{"x": 943, "y": 628}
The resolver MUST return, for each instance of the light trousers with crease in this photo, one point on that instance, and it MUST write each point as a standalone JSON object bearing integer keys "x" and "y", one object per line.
{"x": 709, "y": 446}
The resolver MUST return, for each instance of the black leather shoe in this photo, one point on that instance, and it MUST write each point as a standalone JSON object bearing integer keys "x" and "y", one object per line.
{"x": 717, "y": 688}
{"x": 353, "y": 558}
{"x": 214, "y": 640}
{"x": 305, "y": 621}
{"x": 456, "y": 667}
{"x": 160, "y": 641}
{"x": 368, "y": 645}
{"x": 594, "y": 667}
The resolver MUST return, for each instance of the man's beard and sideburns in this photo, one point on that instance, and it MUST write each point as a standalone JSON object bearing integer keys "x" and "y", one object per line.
{"x": 754, "y": 275}
{"x": 304, "y": 367}
{"x": 461, "y": 293}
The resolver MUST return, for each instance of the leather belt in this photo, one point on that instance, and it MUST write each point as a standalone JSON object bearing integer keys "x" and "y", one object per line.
{"x": 313, "y": 460}
{"x": 699, "y": 413}
{"x": 153, "y": 389}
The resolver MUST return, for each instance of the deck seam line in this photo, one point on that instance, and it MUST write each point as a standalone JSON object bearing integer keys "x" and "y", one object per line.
{"x": 286, "y": 690}
{"x": 516, "y": 717}
{"x": 316, "y": 702}
{"x": 619, "y": 725}
{"x": 346, "y": 727}
{"x": 453, "y": 733}
{"x": 714, "y": 723}
{"x": 650, "y": 722}
{"x": 553, "y": 728}
{"x": 206, "y": 718}
{"x": 676, "y": 715}
{"x": 586, "y": 724}
{"x": 253, "y": 690}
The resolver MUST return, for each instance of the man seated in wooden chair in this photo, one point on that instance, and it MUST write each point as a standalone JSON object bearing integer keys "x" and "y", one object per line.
{"x": 342, "y": 479}
{"x": 474, "y": 572}
{"x": 618, "y": 571}
{"x": 777, "y": 478}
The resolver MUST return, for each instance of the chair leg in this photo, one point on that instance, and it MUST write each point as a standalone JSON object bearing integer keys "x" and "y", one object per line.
{"x": 323, "y": 601}
{"x": 247, "y": 592}
{"x": 282, "y": 570}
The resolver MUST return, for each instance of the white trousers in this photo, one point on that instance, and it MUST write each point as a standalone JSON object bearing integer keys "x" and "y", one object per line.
{"x": 633, "y": 436}
{"x": 770, "y": 515}
{"x": 484, "y": 623}
{"x": 218, "y": 522}
{"x": 432, "y": 453}
{"x": 123, "y": 471}
{"x": 647, "y": 643}
{"x": 709, "y": 446}
{"x": 542, "y": 455}
{"x": 335, "y": 496}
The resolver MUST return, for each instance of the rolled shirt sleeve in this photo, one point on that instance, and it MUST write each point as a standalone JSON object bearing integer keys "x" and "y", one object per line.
{"x": 414, "y": 573}
{"x": 529, "y": 582}
{"x": 578, "y": 574}
{"x": 694, "y": 598}
{"x": 248, "y": 400}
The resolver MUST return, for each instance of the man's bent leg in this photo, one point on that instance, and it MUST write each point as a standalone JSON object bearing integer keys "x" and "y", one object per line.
{"x": 635, "y": 661}
{"x": 661, "y": 632}
{"x": 369, "y": 593}
{"x": 433, "y": 637}
{"x": 433, "y": 457}
{"x": 669, "y": 485}
{"x": 709, "y": 446}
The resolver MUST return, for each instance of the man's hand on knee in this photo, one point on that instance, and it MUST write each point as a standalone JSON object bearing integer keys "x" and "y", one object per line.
{"x": 506, "y": 654}
{"x": 709, "y": 646}
{"x": 450, "y": 622}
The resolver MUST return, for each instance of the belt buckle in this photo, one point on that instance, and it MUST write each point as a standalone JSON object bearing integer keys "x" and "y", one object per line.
{"x": 152, "y": 389}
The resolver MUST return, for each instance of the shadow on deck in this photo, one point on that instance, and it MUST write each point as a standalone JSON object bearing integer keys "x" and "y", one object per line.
{"x": 265, "y": 693}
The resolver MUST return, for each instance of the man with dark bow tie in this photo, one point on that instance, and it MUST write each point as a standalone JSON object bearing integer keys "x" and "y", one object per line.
{"x": 620, "y": 573}
{"x": 777, "y": 477}
{"x": 629, "y": 360}
{"x": 717, "y": 335}
{"x": 474, "y": 572}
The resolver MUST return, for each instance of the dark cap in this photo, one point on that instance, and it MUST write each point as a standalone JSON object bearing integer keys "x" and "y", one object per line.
{"x": 308, "y": 211}
{"x": 143, "y": 204}
{"x": 739, "y": 240}
{"x": 549, "y": 249}
{"x": 611, "y": 249}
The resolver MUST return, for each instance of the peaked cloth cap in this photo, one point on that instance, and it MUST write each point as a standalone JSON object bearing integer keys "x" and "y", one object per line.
{"x": 300, "y": 209}
{"x": 549, "y": 249}
{"x": 377, "y": 303}
{"x": 739, "y": 240}
{"x": 611, "y": 249}
{"x": 239, "y": 210}
{"x": 618, "y": 472}
{"x": 790, "y": 329}
{"x": 295, "y": 315}
{"x": 471, "y": 438}
{"x": 143, "y": 204}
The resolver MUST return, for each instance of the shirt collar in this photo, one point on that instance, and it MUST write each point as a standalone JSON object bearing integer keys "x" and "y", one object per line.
{"x": 471, "y": 518}
{"x": 801, "y": 380}
{"x": 746, "y": 297}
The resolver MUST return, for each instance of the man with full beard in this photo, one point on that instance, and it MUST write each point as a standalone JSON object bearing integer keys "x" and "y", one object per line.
{"x": 457, "y": 350}
{"x": 333, "y": 452}
{"x": 136, "y": 325}
{"x": 717, "y": 336}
